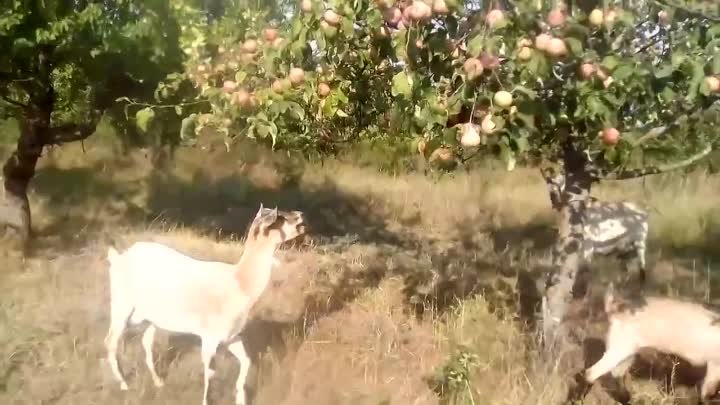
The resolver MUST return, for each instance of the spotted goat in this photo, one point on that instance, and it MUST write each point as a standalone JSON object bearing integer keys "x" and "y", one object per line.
{"x": 611, "y": 228}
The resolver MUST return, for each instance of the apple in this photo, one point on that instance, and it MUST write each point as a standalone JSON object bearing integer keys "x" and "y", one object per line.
{"x": 712, "y": 83}
{"x": 470, "y": 136}
{"x": 587, "y": 70}
{"x": 306, "y": 6}
{"x": 229, "y": 86}
{"x": 241, "y": 97}
{"x": 524, "y": 42}
{"x": 663, "y": 17}
{"x": 331, "y": 17}
{"x": 596, "y": 17}
{"x": 270, "y": 34}
{"x": 277, "y": 86}
{"x": 419, "y": 44}
{"x": 542, "y": 41}
{"x": 249, "y": 46}
{"x": 489, "y": 61}
{"x": 610, "y": 17}
{"x": 556, "y": 18}
{"x": 487, "y": 125}
{"x": 419, "y": 11}
{"x": 556, "y": 47}
{"x": 297, "y": 76}
{"x": 440, "y": 7}
{"x": 525, "y": 53}
{"x": 473, "y": 68}
{"x": 323, "y": 89}
{"x": 277, "y": 43}
{"x": 494, "y": 17}
{"x": 503, "y": 99}
{"x": 392, "y": 16}
{"x": 610, "y": 136}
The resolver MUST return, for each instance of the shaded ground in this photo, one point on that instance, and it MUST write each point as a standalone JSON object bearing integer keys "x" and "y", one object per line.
{"x": 410, "y": 291}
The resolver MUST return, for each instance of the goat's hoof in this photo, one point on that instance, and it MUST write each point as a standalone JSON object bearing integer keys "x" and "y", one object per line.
{"x": 159, "y": 383}
{"x": 123, "y": 386}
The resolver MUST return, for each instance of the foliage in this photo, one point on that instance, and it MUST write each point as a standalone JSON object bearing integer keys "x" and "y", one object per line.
{"x": 372, "y": 75}
{"x": 71, "y": 59}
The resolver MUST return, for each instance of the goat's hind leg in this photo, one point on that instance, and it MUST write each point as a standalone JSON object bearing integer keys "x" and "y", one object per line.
{"x": 147, "y": 342}
{"x": 118, "y": 324}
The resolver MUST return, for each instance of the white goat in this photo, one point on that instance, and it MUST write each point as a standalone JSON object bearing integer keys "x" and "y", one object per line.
{"x": 686, "y": 329}
{"x": 619, "y": 228}
{"x": 152, "y": 282}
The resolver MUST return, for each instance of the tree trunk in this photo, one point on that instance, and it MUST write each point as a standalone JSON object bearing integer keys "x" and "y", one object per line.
{"x": 567, "y": 253}
{"x": 18, "y": 170}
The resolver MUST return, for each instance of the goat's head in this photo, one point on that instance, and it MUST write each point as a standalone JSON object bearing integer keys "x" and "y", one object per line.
{"x": 275, "y": 226}
{"x": 555, "y": 182}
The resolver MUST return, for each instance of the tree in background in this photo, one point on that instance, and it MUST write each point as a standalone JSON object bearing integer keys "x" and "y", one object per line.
{"x": 64, "y": 65}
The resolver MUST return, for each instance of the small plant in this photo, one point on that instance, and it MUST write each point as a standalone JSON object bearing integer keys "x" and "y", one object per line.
{"x": 452, "y": 383}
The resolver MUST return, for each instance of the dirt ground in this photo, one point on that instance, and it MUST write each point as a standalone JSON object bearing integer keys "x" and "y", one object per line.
{"x": 410, "y": 289}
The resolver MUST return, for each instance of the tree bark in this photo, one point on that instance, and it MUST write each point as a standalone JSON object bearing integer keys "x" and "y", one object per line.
{"x": 18, "y": 170}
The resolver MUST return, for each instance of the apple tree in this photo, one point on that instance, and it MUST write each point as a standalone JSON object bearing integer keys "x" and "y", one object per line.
{"x": 602, "y": 87}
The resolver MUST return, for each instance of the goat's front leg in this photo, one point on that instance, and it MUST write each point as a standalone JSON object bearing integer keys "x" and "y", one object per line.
{"x": 208, "y": 350}
{"x": 615, "y": 359}
{"x": 238, "y": 350}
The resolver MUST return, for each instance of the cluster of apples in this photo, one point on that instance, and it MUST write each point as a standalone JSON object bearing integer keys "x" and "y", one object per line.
{"x": 402, "y": 14}
{"x": 588, "y": 70}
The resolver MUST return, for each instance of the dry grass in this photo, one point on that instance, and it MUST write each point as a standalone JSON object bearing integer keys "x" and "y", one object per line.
{"x": 411, "y": 291}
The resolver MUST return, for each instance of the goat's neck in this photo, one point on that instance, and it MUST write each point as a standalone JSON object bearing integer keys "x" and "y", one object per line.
{"x": 254, "y": 268}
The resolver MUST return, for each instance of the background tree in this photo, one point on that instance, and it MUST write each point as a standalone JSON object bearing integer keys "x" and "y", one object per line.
{"x": 64, "y": 64}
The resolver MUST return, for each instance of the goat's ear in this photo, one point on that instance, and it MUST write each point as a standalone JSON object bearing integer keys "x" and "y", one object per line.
{"x": 259, "y": 213}
{"x": 272, "y": 217}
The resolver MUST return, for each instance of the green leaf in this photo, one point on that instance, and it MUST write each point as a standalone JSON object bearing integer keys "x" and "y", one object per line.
{"x": 475, "y": 45}
{"x": 178, "y": 110}
{"x": 401, "y": 85}
{"x": 610, "y": 62}
{"x": 532, "y": 94}
{"x": 622, "y": 72}
{"x": 716, "y": 64}
{"x": 665, "y": 71}
{"x": 143, "y": 118}
{"x": 575, "y": 46}
{"x": 340, "y": 113}
{"x": 240, "y": 76}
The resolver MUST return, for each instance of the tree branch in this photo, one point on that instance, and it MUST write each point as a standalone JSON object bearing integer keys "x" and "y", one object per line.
{"x": 71, "y": 132}
{"x": 691, "y": 13}
{"x": 635, "y": 173}
{"x": 13, "y": 102}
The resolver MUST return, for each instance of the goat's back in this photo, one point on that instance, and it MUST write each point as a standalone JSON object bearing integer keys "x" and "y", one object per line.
{"x": 689, "y": 330}
{"x": 172, "y": 290}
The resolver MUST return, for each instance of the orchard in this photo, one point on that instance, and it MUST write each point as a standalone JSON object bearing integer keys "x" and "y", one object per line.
{"x": 598, "y": 86}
